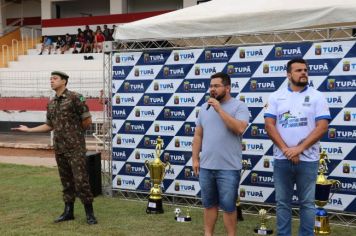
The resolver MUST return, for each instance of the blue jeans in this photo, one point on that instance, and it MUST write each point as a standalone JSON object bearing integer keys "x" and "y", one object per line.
{"x": 286, "y": 174}
{"x": 219, "y": 188}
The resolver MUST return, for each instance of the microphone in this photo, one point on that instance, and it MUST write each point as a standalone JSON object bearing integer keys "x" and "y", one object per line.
{"x": 207, "y": 108}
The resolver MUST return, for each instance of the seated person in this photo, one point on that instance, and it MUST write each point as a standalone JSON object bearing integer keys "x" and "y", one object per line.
{"x": 60, "y": 43}
{"x": 79, "y": 43}
{"x": 68, "y": 43}
{"x": 46, "y": 44}
{"x": 107, "y": 33}
{"x": 113, "y": 31}
{"x": 87, "y": 29}
{"x": 98, "y": 41}
{"x": 89, "y": 40}
{"x": 79, "y": 31}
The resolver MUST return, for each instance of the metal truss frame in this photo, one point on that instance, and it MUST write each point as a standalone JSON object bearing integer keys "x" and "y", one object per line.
{"x": 261, "y": 38}
{"x": 286, "y": 36}
{"x": 106, "y": 153}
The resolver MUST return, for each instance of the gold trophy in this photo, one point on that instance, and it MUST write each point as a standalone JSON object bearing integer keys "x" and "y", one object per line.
{"x": 322, "y": 192}
{"x": 263, "y": 229}
{"x": 157, "y": 170}
{"x": 238, "y": 202}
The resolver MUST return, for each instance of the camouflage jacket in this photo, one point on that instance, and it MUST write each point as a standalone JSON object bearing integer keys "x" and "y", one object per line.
{"x": 65, "y": 114}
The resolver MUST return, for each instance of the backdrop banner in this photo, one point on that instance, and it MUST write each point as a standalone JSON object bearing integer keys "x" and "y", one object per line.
{"x": 159, "y": 93}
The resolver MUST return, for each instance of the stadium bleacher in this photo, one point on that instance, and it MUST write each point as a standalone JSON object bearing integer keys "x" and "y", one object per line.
{"x": 32, "y": 72}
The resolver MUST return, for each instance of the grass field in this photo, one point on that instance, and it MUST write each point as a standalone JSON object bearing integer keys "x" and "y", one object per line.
{"x": 30, "y": 199}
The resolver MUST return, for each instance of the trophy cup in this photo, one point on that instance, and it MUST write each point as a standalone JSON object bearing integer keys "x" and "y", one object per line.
{"x": 322, "y": 192}
{"x": 156, "y": 169}
{"x": 238, "y": 202}
{"x": 179, "y": 217}
{"x": 262, "y": 229}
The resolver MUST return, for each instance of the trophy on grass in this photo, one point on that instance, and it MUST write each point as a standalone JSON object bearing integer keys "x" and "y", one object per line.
{"x": 157, "y": 170}
{"x": 238, "y": 202}
{"x": 262, "y": 229}
{"x": 322, "y": 192}
{"x": 179, "y": 217}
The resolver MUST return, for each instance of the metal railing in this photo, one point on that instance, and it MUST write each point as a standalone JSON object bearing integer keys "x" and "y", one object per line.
{"x": 14, "y": 49}
{"x": 12, "y": 27}
{"x": 29, "y": 38}
{"x": 5, "y": 54}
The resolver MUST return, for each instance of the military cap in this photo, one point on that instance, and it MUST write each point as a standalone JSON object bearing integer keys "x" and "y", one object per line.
{"x": 61, "y": 74}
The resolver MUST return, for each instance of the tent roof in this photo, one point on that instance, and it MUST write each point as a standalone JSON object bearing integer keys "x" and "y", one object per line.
{"x": 231, "y": 17}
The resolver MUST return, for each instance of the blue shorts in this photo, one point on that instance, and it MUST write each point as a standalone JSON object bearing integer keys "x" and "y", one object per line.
{"x": 219, "y": 188}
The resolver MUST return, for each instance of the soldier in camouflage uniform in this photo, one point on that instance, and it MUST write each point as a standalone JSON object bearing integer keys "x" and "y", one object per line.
{"x": 68, "y": 116}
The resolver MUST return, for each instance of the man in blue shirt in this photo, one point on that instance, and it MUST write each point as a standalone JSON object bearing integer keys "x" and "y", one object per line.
{"x": 218, "y": 133}
{"x": 46, "y": 44}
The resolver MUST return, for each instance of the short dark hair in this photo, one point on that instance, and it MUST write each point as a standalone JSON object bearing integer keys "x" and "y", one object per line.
{"x": 295, "y": 60}
{"x": 62, "y": 75}
{"x": 226, "y": 80}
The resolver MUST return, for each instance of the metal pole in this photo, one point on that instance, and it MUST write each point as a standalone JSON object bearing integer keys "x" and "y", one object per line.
{"x": 15, "y": 55}
{"x": 5, "y": 59}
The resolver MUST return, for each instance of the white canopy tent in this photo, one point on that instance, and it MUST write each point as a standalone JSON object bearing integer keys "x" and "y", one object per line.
{"x": 231, "y": 17}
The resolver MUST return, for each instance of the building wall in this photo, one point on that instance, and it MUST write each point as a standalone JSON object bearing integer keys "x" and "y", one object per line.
{"x": 46, "y": 9}
{"x": 83, "y": 8}
{"x": 157, "y": 5}
{"x": 29, "y": 8}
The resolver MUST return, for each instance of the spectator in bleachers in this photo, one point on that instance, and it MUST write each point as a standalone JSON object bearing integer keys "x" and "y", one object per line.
{"x": 87, "y": 29}
{"x": 98, "y": 41}
{"x": 79, "y": 32}
{"x": 107, "y": 33}
{"x": 68, "y": 43}
{"x": 112, "y": 31}
{"x": 79, "y": 43}
{"x": 60, "y": 43}
{"x": 46, "y": 44}
{"x": 89, "y": 41}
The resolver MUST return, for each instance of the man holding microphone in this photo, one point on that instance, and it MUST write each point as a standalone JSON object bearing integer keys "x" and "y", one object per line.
{"x": 218, "y": 133}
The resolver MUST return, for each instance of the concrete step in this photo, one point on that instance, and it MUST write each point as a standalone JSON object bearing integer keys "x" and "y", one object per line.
{"x": 59, "y": 57}
{"x": 65, "y": 65}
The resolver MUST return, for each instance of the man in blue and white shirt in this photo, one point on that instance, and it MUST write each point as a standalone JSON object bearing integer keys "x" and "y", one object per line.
{"x": 296, "y": 118}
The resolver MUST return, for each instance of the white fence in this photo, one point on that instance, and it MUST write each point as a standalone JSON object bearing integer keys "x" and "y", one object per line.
{"x": 37, "y": 83}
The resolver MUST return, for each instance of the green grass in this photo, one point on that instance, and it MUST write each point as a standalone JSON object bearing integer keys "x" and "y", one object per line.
{"x": 30, "y": 199}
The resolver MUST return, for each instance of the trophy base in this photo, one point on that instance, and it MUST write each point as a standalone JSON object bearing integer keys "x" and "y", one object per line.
{"x": 321, "y": 233}
{"x": 321, "y": 226}
{"x": 259, "y": 231}
{"x": 183, "y": 218}
{"x": 239, "y": 213}
{"x": 154, "y": 206}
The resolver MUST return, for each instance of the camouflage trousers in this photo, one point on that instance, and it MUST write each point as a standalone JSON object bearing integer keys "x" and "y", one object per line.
{"x": 72, "y": 168}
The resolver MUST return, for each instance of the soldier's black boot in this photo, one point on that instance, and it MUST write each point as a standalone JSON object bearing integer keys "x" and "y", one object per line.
{"x": 90, "y": 214}
{"x": 67, "y": 214}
